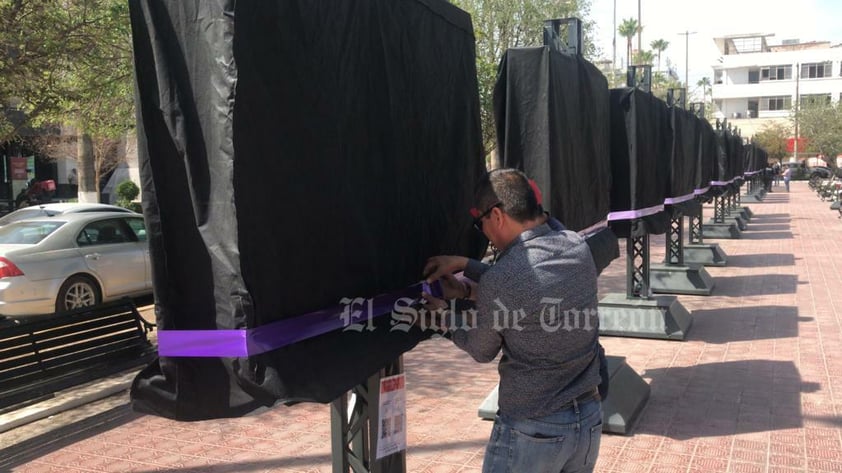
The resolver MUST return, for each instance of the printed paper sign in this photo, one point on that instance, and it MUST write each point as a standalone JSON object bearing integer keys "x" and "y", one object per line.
{"x": 18, "y": 167}
{"x": 391, "y": 433}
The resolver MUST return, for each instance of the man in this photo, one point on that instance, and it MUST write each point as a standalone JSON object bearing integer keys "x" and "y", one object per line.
{"x": 537, "y": 304}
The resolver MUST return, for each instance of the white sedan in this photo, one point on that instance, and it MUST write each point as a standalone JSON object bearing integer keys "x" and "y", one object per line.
{"x": 57, "y": 208}
{"x": 60, "y": 263}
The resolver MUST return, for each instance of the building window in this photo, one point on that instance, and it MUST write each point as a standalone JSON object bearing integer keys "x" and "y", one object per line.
{"x": 776, "y": 72}
{"x": 753, "y": 108}
{"x": 815, "y": 99}
{"x": 781, "y": 102}
{"x": 816, "y": 70}
{"x": 753, "y": 76}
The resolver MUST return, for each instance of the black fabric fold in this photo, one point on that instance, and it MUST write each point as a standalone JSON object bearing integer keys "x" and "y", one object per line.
{"x": 552, "y": 117}
{"x": 641, "y": 143}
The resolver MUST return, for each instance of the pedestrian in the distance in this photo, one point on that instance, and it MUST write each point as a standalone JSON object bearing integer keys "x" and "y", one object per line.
{"x": 787, "y": 176}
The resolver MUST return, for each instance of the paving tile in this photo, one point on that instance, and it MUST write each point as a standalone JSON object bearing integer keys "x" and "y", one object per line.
{"x": 757, "y": 387}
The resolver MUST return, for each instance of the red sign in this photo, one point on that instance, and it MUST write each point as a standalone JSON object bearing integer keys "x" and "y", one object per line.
{"x": 18, "y": 168}
{"x": 802, "y": 145}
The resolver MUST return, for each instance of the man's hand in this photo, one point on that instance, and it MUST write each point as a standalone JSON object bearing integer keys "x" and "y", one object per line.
{"x": 438, "y": 266}
{"x": 453, "y": 288}
{"x": 433, "y": 315}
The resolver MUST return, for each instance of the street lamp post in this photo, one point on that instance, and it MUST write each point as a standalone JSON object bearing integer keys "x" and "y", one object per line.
{"x": 686, "y": 35}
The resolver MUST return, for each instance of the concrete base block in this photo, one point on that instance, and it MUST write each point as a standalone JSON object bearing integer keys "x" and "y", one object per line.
{"x": 747, "y": 213}
{"x": 488, "y": 408}
{"x": 690, "y": 279}
{"x": 756, "y": 196}
{"x": 728, "y": 230}
{"x": 736, "y": 218}
{"x": 627, "y": 395}
{"x": 707, "y": 254}
{"x": 661, "y": 317}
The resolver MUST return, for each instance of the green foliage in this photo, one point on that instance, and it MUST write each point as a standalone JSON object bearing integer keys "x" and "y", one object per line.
{"x": 820, "y": 124}
{"x": 66, "y": 59}
{"x": 127, "y": 191}
{"x": 644, "y": 57}
{"x": 773, "y": 138}
{"x": 627, "y": 29}
{"x": 502, "y": 24}
{"x": 661, "y": 84}
{"x": 659, "y": 45}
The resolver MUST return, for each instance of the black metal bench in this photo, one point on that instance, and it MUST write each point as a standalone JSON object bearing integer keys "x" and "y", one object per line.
{"x": 42, "y": 356}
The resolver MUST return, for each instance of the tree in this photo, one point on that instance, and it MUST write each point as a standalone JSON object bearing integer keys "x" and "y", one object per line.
{"x": 773, "y": 137}
{"x": 659, "y": 45}
{"x": 820, "y": 124}
{"x": 76, "y": 71}
{"x": 103, "y": 87}
{"x": 644, "y": 57}
{"x": 40, "y": 41}
{"x": 704, "y": 83}
{"x": 628, "y": 28}
{"x": 502, "y": 24}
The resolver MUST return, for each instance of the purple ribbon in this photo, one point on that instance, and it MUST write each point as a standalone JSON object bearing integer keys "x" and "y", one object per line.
{"x": 632, "y": 214}
{"x": 721, "y": 183}
{"x": 701, "y": 191}
{"x": 253, "y": 341}
{"x": 678, "y": 200}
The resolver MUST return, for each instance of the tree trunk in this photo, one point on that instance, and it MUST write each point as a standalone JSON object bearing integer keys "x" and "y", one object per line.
{"x": 86, "y": 169}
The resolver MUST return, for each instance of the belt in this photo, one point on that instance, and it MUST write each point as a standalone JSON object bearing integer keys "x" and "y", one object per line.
{"x": 589, "y": 395}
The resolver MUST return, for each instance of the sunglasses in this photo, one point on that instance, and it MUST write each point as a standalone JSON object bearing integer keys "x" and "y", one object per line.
{"x": 478, "y": 217}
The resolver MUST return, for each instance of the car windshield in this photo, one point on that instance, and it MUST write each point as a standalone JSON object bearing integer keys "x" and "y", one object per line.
{"x": 27, "y": 233}
{"x": 24, "y": 214}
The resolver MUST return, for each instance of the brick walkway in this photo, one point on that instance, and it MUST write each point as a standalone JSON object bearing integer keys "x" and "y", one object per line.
{"x": 757, "y": 387}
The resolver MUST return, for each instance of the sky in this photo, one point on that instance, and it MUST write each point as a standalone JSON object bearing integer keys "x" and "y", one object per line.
{"x": 806, "y": 20}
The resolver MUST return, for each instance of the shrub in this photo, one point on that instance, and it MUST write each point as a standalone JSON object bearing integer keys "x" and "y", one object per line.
{"x": 127, "y": 191}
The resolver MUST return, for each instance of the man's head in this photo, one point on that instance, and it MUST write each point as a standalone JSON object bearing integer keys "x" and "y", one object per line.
{"x": 506, "y": 205}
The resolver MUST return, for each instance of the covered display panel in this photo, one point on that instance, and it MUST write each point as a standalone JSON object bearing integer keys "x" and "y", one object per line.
{"x": 552, "y": 117}
{"x": 641, "y": 149}
{"x": 681, "y": 184}
{"x": 295, "y": 155}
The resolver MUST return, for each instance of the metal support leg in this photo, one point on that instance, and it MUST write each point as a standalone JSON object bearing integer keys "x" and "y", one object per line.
{"x": 696, "y": 236}
{"x": 354, "y": 418}
{"x": 637, "y": 267}
{"x": 675, "y": 240}
{"x": 719, "y": 209}
{"x": 696, "y": 251}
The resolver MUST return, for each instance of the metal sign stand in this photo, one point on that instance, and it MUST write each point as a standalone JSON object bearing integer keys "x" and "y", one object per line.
{"x": 638, "y": 313}
{"x": 354, "y": 418}
{"x": 696, "y": 250}
{"x": 676, "y": 276}
{"x": 722, "y": 225}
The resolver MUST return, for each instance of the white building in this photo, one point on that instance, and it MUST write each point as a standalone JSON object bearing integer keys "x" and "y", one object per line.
{"x": 755, "y": 82}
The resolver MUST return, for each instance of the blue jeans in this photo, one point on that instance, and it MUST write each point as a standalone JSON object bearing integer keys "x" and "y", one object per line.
{"x": 567, "y": 441}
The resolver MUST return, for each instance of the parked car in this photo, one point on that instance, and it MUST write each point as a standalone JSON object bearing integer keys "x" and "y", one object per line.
{"x": 63, "y": 262}
{"x": 51, "y": 210}
{"x": 819, "y": 172}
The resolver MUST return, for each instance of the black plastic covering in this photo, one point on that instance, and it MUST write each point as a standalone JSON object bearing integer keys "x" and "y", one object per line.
{"x": 707, "y": 153}
{"x": 730, "y": 157}
{"x": 684, "y": 156}
{"x": 293, "y": 153}
{"x": 552, "y": 118}
{"x": 707, "y": 161}
{"x": 641, "y": 150}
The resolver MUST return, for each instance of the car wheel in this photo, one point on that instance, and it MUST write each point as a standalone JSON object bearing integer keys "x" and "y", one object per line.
{"x": 77, "y": 292}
